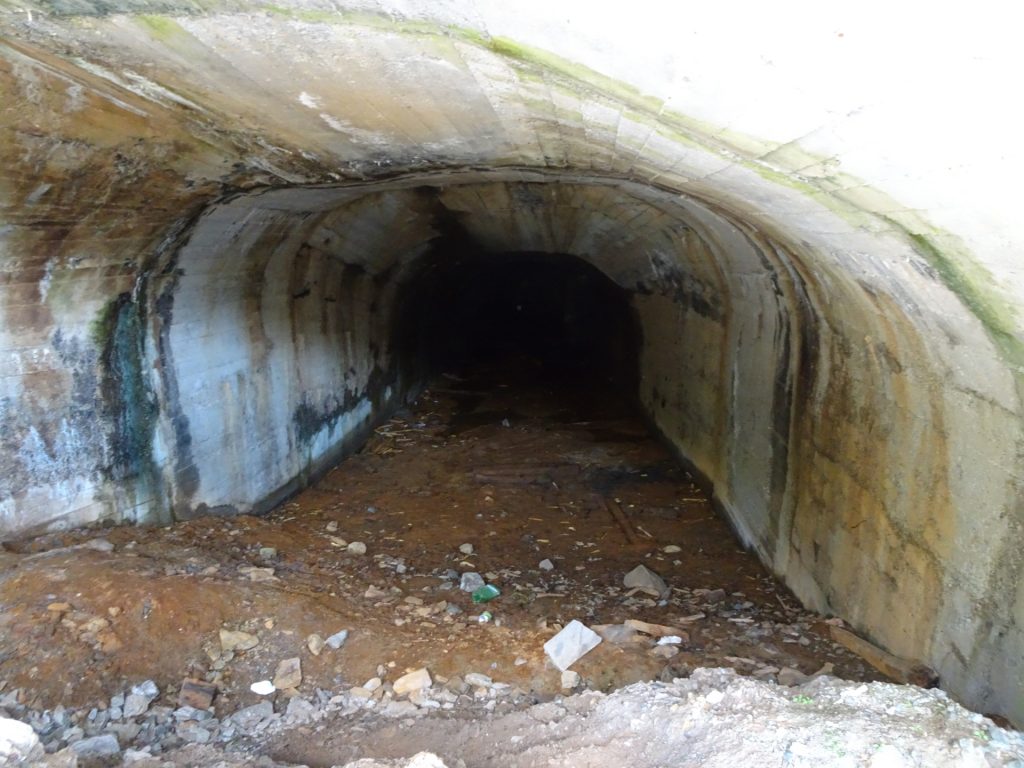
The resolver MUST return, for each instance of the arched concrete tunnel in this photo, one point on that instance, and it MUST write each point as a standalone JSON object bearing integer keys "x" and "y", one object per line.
{"x": 215, "y": 221}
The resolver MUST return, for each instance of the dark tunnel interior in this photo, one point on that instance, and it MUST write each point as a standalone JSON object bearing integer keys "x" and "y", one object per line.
{"x": 552, "y": 315}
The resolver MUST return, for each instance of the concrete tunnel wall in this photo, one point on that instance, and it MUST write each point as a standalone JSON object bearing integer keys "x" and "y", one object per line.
{"x": 208, "y": 212}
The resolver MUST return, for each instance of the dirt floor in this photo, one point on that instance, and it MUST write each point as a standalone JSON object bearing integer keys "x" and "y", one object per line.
{"x": 520, "y": 472}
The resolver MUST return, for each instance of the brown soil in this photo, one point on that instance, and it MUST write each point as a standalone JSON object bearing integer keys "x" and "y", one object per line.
{"x": 522, "y": 472}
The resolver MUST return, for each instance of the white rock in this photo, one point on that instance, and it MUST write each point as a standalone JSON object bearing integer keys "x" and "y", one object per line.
{"x": 414, "y": 681}
{"x": 546, "y": 565}
{"x": 100, "y": 545}
{"x": 888, "y": 756}
{"x": 646, "y": 580}
{"x": 263, "y": 688}
{"x": 466, "y": 549}
{"x": 670, "y": 640}
{"x": 471, "y": 581}
{"x": 570, "y": 679}
{"x": 477, "y": 680}
{"x": 17, "y": 739}
{"x": 373, "y": 684}
{"x": 571, "y": 644}
{"x": 357, "y": 548}
{"x": 425, "y": 760}
{"x": 338, "y": 639}
{"x": 671, "y": 549}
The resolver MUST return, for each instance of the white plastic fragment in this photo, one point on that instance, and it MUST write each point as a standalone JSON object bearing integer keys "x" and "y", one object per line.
{"x": 263, "y": 688}
{"x": 571, "y": 644}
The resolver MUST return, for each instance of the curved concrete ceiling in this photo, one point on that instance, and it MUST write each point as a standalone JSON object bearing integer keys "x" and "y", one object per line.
{"x": 209, "y": 211}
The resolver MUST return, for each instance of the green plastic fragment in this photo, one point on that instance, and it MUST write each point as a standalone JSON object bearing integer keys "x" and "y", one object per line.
{"x": 486, "y": 593}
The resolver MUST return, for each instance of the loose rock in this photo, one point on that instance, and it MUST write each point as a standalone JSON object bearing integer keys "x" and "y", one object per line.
{"x": 196, "y": 693}
{"x": 471, "y": 581}
{"x": 288, "y": 674}
{"x": 337, "y": 640}
{"x": 413, "y": 681}
{"x": 97, "y": 747}
{"x": 17, "y": 740}
{"x": 231, "y": 640}
{"x": 315, "y": 644}
{"x": 645, "y": 580}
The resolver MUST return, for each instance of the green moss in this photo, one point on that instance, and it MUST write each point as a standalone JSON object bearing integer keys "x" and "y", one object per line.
{"x": 161, "y": 27}
{"x": 974, "y": 285}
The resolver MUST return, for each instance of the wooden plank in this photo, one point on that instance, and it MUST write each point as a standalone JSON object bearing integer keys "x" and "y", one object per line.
{"x": 898, "y": 669}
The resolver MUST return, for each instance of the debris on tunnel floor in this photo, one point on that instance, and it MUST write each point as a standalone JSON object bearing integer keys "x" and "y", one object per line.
{"x": 424, "y": 576}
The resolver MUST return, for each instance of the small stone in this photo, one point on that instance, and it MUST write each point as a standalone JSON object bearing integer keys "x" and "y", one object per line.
{"x": 671, "y": 549}
{"x": 471, "y": 581}
{"x": 332, "y": 526}
{"x": 373, "y": 684}
{"x": 477, "y": 680}
{"x": 231, "y": 640}
{"x": 570, "y": 679}
{"x": 139, "y": 698}
{"x": 263, "y": 688}
{"x": 100, "y": 545}
{"x": 888, "y": 756}
{"x": 196, "y": 693}
{"x": 59, "y": 607}
{"x": 337, "y": 640}
{"x": 665, "y": 651}
{"x": 546, "y": 565}
{"x": 374, "y": 593}
{"x": 789, "y": 677}
{"x": 258, "y": 574}
{"x": 413, "y": 681}
{"x": 249, "y": 717}
{"x": 715, "y": 596}
{"x": 193, "y": 733}
{"x": 315, "y": 644}
{"x": 96, "y": 747}
{"x": 466, "y": 549}
{"x": 300, "y": 710}
{"x": 268, "y": 553}
{"x": 645, "y": 580}
{"x": 357, "y": 548}
{"x": 520, "y": 661}
{"x": 288, "y": 674}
